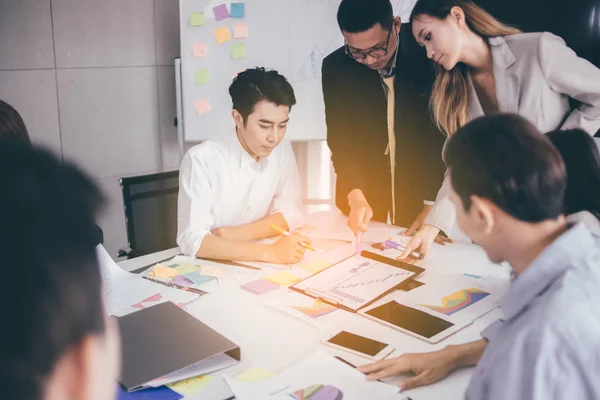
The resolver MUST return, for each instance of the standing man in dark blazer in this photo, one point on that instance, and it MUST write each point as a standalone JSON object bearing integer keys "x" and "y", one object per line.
{"x": 385, "y": 148}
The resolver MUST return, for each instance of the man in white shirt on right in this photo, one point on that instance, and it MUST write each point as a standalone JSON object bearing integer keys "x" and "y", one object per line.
{"x": 234, "y": 187}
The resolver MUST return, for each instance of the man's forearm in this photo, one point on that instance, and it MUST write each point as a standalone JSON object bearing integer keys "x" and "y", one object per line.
{"x": 219, "y": 248}
{"x": 468, "y": 354}
{"x": 255, "y": 230}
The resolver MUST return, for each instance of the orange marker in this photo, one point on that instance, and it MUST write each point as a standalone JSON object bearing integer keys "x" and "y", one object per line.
{"x": 286, "y": 233}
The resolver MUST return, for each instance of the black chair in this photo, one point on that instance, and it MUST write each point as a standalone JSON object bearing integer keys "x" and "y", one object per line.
{"x": 150, "y": 204}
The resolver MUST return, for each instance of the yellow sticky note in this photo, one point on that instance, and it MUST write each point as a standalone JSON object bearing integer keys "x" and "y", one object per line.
{"x": 201, "y": 77}
{"x": 197, "y": 19}
{"x": 200, "y": 50}
{"x": 202, "y": 106}
{"x": 240, "y": 31}
{"x": 238, "y": 50}
{"x": 192, "y": 385}
{"x": 315, "y": 266}
{"x": 254, "y": 374}
{"x": 282, "y": 278}
{"x": 213, "y": 271}
{"x": 160, "y": 271}
{"x": 222, "y": 35}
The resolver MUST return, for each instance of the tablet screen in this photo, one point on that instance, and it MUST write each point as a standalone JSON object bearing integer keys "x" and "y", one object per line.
{"x": 412, "y": 320}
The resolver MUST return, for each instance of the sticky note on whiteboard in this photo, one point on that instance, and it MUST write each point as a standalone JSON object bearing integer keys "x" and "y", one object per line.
{"x": 202, "y": 106}
{"x": 200, "y": 50}
{"x": 197, "y": 19}
{"x": 201, "y": 77}
{"x": 222, "y": 35}
{"x": 240, "y": 31}
{"x": 221, "y": 12}
{"x": 237, "y": 10}
{"x": 238, "y": 50}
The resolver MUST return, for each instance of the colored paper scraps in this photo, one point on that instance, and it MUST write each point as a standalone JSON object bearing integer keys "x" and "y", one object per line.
{"x": 191, "y": 385}
{"x": 160, "y": 271}
{"x": 240, "y": 31}
{"x": 222, "y": 34}
{"x": 221, "y": 12}
{"x": 201, "y": 77}
{"x": 260, "y": 286}
{"x": 197, "y": 19}
{"x": 198, "y": 278}
{"x": 200, "y": 50}
{"x": 254, "y": 374}
{"x": 282, "y": 278}
{"x": 213, "y": 271}
{"x": 315, "y": 266}
{"x": 238, "y": 50}
{"x": 202, "y": 106}
{"x": 238, "y": 10}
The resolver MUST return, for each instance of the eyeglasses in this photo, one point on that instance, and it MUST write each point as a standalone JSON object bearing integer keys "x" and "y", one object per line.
{"x": 377, "y": 52}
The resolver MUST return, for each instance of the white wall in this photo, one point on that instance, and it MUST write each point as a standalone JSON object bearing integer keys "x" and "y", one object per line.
{"x": 94, "y": 81}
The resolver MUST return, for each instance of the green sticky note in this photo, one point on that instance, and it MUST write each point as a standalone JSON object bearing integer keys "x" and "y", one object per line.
{"x": 201, "y": 77}
{"x": 238, "y": 50}
{"x": 197, "y": 19}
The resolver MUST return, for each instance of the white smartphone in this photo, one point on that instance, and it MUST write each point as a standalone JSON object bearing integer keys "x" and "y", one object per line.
{"x": 413, "y": 321}
{"x": 360, "y": 345}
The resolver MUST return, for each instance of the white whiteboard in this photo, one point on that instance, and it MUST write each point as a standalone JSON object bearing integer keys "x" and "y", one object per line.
{"x": 291, "y": 36}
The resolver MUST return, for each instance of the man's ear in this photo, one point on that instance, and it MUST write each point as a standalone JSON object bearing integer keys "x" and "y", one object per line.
{"x": 483, "y": 211}
{"x": 237, "y": 118}
{"x": 396, "y": 24}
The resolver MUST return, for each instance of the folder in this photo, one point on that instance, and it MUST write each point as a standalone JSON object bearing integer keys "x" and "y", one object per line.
{"x": 163, "y": 344}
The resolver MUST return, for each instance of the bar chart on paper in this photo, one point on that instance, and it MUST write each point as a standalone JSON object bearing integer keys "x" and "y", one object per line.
{"x": 458, "y": 301}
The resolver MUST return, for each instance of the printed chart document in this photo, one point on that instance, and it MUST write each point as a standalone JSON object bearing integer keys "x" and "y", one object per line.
{"x": 124, "y": 292}
{"x": 357, "y": 281}
{"x": 320, "y": 376}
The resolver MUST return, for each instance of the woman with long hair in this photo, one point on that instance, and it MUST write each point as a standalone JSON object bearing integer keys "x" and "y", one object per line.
{"x": 486, "y": 67}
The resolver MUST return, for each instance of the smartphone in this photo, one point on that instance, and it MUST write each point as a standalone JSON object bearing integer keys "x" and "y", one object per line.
{"x": 360, "y": 345}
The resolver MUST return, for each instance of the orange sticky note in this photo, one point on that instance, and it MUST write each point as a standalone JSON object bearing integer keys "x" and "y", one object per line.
{"x": 200, "y": 50}
{"x": 202, "y": 106}
{"x": 222, "y": 34}
{"x": 160, "y": 271}
{"x": 282, "y": 278}
{"x": 240, "y": 31}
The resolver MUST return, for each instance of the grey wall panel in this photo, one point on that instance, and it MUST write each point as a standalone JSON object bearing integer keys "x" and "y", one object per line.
{"x": 107, "y": 33}
{"x": 109, "y": 119}
{"x": 25, "y": 34}
{"x": 166, "y": 15}
{"x": 33, "y": 94}
{"x": 112, "y": 217}
{"x": 171, "y": 158}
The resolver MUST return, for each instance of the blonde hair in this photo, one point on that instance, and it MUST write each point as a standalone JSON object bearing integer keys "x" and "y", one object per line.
{"x": 450, "y": 97}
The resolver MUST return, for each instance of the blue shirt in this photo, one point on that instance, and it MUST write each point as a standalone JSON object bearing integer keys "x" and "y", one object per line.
{"x": 548, "y": 345}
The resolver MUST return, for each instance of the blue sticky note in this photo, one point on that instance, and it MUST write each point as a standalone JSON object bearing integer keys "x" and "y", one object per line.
{"x": 198, "y": 278}
{"x": 159, "y": 393}
{"x": 237, "y": 10}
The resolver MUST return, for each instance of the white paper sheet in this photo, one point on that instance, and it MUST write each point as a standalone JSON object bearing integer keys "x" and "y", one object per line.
{"x": 318, "y": 369}
{"x": 125, "y": 293}
{"x": 213, "y": 364}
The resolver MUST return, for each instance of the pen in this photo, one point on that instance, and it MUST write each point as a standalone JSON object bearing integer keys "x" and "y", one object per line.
{"x": 398, "y": 246}
{"x": 286, "y": 233}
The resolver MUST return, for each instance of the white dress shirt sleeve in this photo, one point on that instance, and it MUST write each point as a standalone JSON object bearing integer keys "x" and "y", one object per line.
{"x": 194, "y": 215}
{"x": 288, "y": 195}
{"x": 443, "y": 213}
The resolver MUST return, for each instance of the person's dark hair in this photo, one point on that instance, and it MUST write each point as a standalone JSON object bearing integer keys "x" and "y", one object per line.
{"x": 506, "y": 160}
{"x": 355, "y": 16}
{"x": 51, "y": 297}
{"x": 11, "y": 124}
{"x": 255, "y": 84}
{"x": 582, "y": 160}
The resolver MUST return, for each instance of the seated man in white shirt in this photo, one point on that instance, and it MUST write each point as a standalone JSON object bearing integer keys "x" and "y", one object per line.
{"x": 233, "y": 187}
{"x": 508, "y": 184}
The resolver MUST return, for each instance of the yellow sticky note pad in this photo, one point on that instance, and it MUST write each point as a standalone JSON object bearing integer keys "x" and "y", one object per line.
{"x": 315, "y": 266}
{"x": 201, "y": 77}
{"x": 197, "y": 19}
{"x": 254, "y": 374}
{"x": 282, "y": 278}
{"x": 200, "y": 50}
{"x": 213, "y": 271}
{"x": 160, "y": 271}
{"x": 222, "y": 34}
{"x": 238, "y": 50}
{"x": 202, "y": 106}
{"x": 192, "y": 385}
{"x": 240, "y": 31}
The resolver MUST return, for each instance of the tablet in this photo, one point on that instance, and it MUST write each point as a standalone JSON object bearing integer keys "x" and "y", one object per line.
{"x": 413, "y": 321}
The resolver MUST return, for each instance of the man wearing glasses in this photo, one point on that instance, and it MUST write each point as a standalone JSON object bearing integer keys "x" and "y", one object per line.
{"x": 385, "y": 148}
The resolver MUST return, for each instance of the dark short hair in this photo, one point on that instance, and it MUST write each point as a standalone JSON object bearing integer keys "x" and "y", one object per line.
{"x": 256, "y": 84}
{"x": 355, "y": 16}
{"x": 506, "y": 160}
{"x": 11, "y": 124}
{"x": 582, "y": 160}
{"x": 50, "y": 297}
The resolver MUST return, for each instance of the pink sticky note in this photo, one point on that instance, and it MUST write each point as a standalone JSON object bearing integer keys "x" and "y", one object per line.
{"x": 202, "y": 106}
{"x": 240, "y": 31}
{"x": 260, "y": 286}
{"x": 200, "y": 50}
{"x": 221, "y": 12}
{"x": 235, "y": 74}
